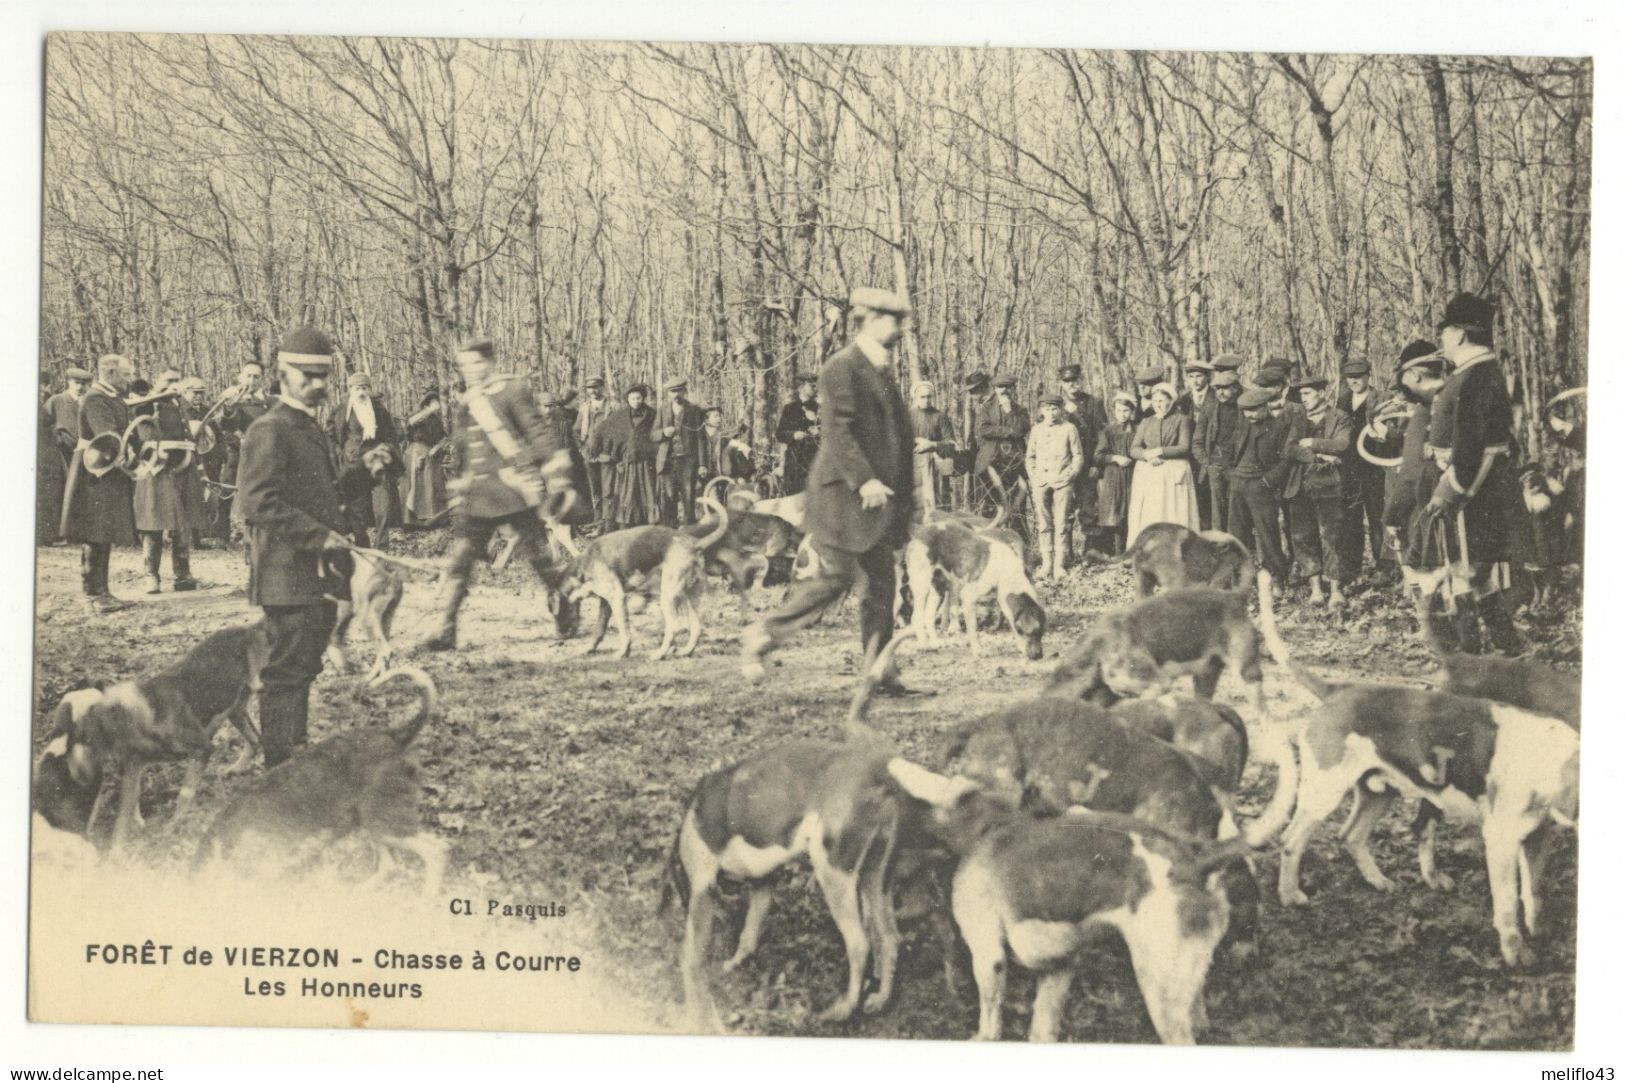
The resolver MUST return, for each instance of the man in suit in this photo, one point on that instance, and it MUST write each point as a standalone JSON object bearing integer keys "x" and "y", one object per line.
{"x": 860, "y": 494}
{"x": 1259, "y": 466}
{"x": 97, "y": 508}
{"x": 798, "y": 434}
{"x": 1001, "y": 441}
{"x": 679, "y": 430}
{"x": 1088, "y": 415}
{"x": 1193, "y": 403}
{"x": 361, "y": 424}
{"x": 591, "y": 413}
{"x": 512, "y": 459}
{"x": 1217, "y": 424}
{"x": 1363, "y": 482}
{"x": 289, "y": 497}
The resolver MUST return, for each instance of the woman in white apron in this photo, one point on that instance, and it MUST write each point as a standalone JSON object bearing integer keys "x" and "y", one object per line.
{"x": 1164, "y": 489}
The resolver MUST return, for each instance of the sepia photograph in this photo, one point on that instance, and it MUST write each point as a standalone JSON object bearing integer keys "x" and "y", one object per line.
{"x": 810, "y": 540}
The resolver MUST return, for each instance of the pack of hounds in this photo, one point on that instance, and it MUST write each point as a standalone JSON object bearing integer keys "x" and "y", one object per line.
{"x": 1106, "y": 801}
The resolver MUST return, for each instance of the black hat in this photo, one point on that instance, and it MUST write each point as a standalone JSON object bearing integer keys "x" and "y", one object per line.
{"x": 1419, "y": 348}
{"x": 976, "y": 380}
{"x": 1071, "y": 372}
{"x": 1317, "y": 382}
{"x": 306, "y": 348}
{"x": 1271, "y": 379}
{"x": 1149, "y": 374}
{"x": 1469, "y": 310}
{"x": 479, "y": 344}
{"x": 644, "y": 389}
{"x": 1357, "y": 368}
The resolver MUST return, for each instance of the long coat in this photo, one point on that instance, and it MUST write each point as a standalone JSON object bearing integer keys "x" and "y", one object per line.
{"x": 99, "y": 509}
{"x": 1112, "y": 480}
{"x": 1472, "y": 417}
{"x": 382, "y": 506}
{"x": 687, "y": 423}
{"x": 797, "y": 417}
{"x": 624, "y": 447}
{"x": 173, "y": 499}
{"x": 486, "y": 468}
{"x": 866, "y": 434}
{"x": 1000, "y": 436}
{"x": 51, "y": 477}
{"x": 288, "y": 492}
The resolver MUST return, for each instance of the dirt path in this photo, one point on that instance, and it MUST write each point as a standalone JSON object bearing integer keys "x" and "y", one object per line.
{"x": 561, "y": 776}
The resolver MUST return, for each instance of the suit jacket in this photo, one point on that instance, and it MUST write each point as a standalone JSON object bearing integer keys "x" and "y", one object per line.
{"x": 1088, "y": 416}
{"x": 1000, "y": 434}
{"x": 287, "y": 490}
{"x": 688, "y": 423}
{"x": 1267, "y": 443}
{"x": 865, "y": 434}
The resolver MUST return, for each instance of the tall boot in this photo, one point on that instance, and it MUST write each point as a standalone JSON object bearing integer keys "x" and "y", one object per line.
{"x": 284, "y": 713}
{"x": 180, "y": 560}
{"x": 452, "y": 592}
{"x": 152, "y": 555}
{"x": 101, "y": 556}
{"x": 1498, "y": 622}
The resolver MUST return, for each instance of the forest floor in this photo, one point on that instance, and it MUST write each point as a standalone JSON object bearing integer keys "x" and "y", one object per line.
{"x": 563, "y": 777}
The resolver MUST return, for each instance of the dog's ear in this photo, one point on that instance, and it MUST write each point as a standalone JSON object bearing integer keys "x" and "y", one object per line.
{"x": 928, "y": 786}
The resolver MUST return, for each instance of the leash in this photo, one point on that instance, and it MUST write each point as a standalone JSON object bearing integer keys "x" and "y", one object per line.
{"x": 377, "y": 556}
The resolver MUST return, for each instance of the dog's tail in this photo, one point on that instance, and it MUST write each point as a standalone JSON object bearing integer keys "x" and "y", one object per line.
{"x": 721, "y": 528}
{"x": 428, "y": 701}
{"x": 857, "y": 716}
{"x": 707, "y": 494}
{"x": 1317, "y": 687}
{"x": 999, "y": 516}
{"x": 674, "y": 881}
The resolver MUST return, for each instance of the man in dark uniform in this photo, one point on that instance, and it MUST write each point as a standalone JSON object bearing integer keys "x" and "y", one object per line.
{"x": 1217, "y": 424}
{"x": 798, "y": 433}
{"x": 96, "y": 508}
{"x": 1001, "y": 426}
{"x": 978, "y": 391}
{"x": 860, "y": 494}
{"x": 1363, "y": 482}
{"x": 169, "y": 491}
{"x": 1478, "y": 496}
{"x": 679, "y": 428}
{"x": 244, "y": 404}
{"x": 289, "y": 498}
{"x": 514, "y": 464}
{"x": 722, "y": 453}
{"x": 1088, "y": 415}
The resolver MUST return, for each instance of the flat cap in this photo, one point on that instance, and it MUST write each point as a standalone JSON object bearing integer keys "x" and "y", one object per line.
{"x": 677, "y": 383}
{"x": 1469, "y": 310}
{"x": 807, "y": 378}
{"x": 1253, "y": 398}
{"x": 1149, "y": 374}
{"x": 1071, "y": 372}
{"x": 1199, "y": 366}
{"x": 1005, "y": 381}
{"x": 1227, "y": 362}
{"x": 879, "y": 300}
{"x": 1271, "y": 380}
{"x": 594, "y": 381}
{"x": 1051, "y": 400}
{"x": 478, "y": 344}
{"x": 1357, "y": 368}
{"x": 1226, "y": 378}
{"x": 79, "y": 374}
{"x": 975, "y": 380}
{"x": 306, "y": 348}
{"x": 1317, "y": 382}
{"x": 360, "y": 379}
